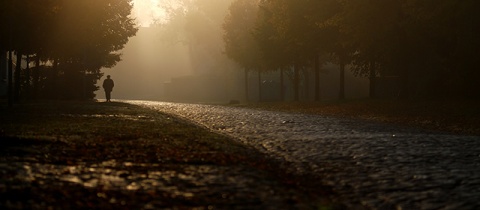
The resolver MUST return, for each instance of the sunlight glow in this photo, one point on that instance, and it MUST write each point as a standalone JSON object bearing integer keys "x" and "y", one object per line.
{"x": 148, "y": 12}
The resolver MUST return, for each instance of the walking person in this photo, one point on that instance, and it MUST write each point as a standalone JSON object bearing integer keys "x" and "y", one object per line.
{"x": 108, "y": 87}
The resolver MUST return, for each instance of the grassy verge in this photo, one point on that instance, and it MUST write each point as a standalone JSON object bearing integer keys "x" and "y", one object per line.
{"x": 455, "y": 116}
{"x": 88, "y": 155}
{"x": 110, "y": 124}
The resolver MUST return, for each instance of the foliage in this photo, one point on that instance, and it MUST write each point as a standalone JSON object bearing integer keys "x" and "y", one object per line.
{"x": 240, "y": 44}
{"x": 74, "y": 38}
{"x": 430, "y": 45}
{"x": 198, "y": 25}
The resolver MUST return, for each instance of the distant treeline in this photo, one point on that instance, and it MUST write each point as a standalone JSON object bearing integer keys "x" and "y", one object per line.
{"x": 56, "y": 48}
{"x": 431, "y": 46}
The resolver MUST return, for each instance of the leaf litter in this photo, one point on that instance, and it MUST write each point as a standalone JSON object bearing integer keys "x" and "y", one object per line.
{"x": 72, "y": 155}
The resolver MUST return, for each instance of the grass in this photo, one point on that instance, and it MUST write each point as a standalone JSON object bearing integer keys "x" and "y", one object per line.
{"x": 92, "y": 123}
{"x": 139, "y": 141}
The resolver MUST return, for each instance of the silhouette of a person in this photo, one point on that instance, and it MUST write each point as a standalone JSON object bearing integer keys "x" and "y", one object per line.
{"x": 108, "y": 87}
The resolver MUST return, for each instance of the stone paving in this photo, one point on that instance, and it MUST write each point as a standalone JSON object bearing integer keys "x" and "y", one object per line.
{"x": 368, "y": 165}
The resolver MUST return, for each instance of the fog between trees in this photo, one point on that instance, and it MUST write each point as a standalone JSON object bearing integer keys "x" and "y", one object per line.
{"x": 222, "y": 50}
{"x": 411, "y": 49}
{"x": 180, "y": 59}
{"x": 184, "y": 59}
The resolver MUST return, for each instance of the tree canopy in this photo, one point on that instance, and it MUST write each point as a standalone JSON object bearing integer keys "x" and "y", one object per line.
{"x": 198, "y": 25}
{"x": 72, "y": 41}
{"x": 240, "y": 44}
{"x": 430, "y": 45}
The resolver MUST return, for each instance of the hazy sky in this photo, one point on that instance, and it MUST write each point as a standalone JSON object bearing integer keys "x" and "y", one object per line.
{"x": 145, "y": 66}
{"x": 150, "y": 62}
{"x": 147, "y": 11}
{"x": 168, "y": 62}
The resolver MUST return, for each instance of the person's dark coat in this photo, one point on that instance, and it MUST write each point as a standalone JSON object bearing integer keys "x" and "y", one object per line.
{"x": 108, "y": 85}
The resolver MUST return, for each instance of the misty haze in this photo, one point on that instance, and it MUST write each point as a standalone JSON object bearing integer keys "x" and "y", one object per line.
{"x": 155, "y": 69}
{"x": 239, "y": 104}
{"x": 183, "y": 59}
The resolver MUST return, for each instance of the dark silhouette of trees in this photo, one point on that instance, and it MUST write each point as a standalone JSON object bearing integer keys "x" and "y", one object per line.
{"x": 240, "y": 44}
{"x": 292, "y": 35}
{"x": 417, "y": 41}
{"x": 68, "y": 42}
{"x": 280, "y": 38}
{"x": 429, "y": 45}
{"x": 198, "y": 25}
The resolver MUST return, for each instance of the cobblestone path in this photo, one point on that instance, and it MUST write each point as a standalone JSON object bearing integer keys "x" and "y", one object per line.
{"x": 369, "y": 165}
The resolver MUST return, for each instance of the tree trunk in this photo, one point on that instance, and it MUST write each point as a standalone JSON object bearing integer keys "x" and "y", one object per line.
{"x": 373, "y": 76}
{"x": 36, "y": 77}
{"x": 405, "y": 78}
{"x": 282, "y": 88}
{"x": 341, "y": 94}
{"x": 27, "y": 81}
{"x": 3, "y": 65}
{"x": 18, "y": 69}
{"x": 3, "y": 68}
{"x": 259, "y": 85}
{"x": 317, "y": 77}
{"x": 246, "y": 85}
{"x": 55, "y": 83}
{"x": 296, "y": 83}
{"x": 10, "y": 79}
